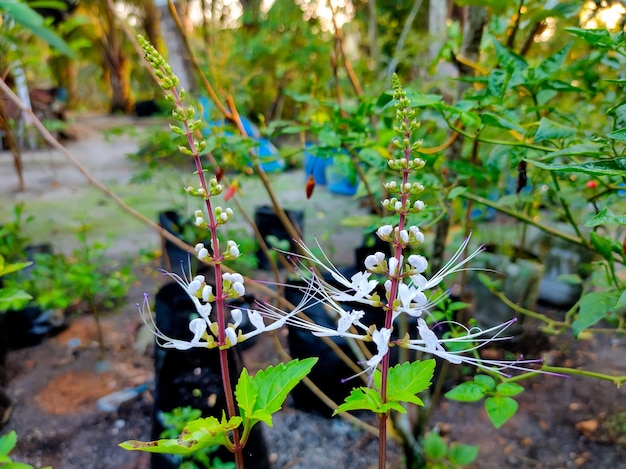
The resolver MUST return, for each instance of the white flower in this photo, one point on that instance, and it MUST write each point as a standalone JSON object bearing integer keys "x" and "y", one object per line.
{"x": 196, "y": 284}
{"x": 348, "y": 320}
{"x": 359, "y": 288}
{"x": 448, "y": 269}
{"x": 198, "y": 326}
{"x": 381, "y": 339}
{"x": 374, "y": 261}
{"x": 474, "y": 338}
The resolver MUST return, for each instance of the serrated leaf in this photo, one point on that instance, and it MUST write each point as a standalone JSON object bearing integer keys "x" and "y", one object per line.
{"x": 435, "y": 446}
{"x": 622, "y": 300}
{"x": 462, "y": 455}
{"x": 406, "y": 380}
{"x": 487, "y": 382}
{"x": 604, "y": 217}
{"x": 7, "y": 443}
{"x": 368, "y": 399}
{"x": 466, "y": 392}
{"x": 608, "y": 167}
{"x": 509, "y": 389}
{"x": 274, "y": 383}
{"x": 500, "y": 409}
{"x": 548, "y": 130}
{"x": 593, "y": 308}
{"x": 246, "y": 394}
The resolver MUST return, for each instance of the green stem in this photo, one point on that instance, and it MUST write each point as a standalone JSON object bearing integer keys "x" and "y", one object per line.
{"x": 566, "y": 210}
{"x": 526, "y": 219}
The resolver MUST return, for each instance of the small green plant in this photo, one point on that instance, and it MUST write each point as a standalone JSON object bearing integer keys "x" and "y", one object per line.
{"x": 441, "y": 455}
{"x": 12, "y": 297}
{"x": 499, "y": 402}
{"x": 175, "y": 422}
{"x": 7, "y": 443}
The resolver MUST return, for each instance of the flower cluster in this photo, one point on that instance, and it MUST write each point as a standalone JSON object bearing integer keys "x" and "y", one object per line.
{"x": 400, "y": 279}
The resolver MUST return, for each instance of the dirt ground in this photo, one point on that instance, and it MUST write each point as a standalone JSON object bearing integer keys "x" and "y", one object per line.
{"x": 55, "y": 386}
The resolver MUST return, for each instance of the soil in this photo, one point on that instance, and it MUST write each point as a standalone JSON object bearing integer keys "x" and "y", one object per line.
{"x": 55, "y": 386}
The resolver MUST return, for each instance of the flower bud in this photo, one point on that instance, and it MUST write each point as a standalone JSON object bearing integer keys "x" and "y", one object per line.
{"x": 384, "y": 232}
{"x": 419, "y": 263}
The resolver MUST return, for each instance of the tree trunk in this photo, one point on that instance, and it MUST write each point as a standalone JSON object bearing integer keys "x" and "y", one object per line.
{"x": 119, "y": 79}
{"x": 177, "y": 55}
{"x": 152, "y": 25}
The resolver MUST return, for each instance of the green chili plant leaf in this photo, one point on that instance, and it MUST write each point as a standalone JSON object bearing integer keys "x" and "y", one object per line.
{"x": 594, "y": 307}
{"x": 604, "y": 217}
{"x": 608, "y": 167}
{"x": 549, "y": 130}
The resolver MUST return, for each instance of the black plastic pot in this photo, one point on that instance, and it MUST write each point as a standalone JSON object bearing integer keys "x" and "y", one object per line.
{"x": 173, "y": 258}
{"x": 193, "y": 378}
{"x": 269, "y": 225}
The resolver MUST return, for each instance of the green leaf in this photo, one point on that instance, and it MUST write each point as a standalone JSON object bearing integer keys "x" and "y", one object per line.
{"x": 12, "y": 295}
{"x": 604, "y": 217}
{"x": 608, "y": 167}
{"x": 487, "y": 382}
{"x": 620, "y": 303}
{"x": 408, "y": 379}
{"x": 457, "y": 191}
{"x": 509, "y": 59}
{"x": 462, "y": 455}
{"x": 272, "y": 386}
{"x": 495, "y": 120}
{"x": 197, "y": 434}
{"x": 619, "y": 135}
{"x": 423, "y": 100}
{"x": 549, "y": 130}
{"x": 581, "y": 149}
{"x": 7, "y": 443}
{"x": 552, "y": 63}
{"x": 21, "y": 13}
{"x": 603, "y": 245}
{"x": 6, "y": 269}
{"x": 435, "y": 446}
{"x": 509, "y": 389}
{"x": 368, "y": 399}
{"x": 593, "y": 308}
{"x": 466, "y": 392}
{"x": 600, "y": 38}
{"x": 500, "y": 409}
{"x": 246, "y": 394}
